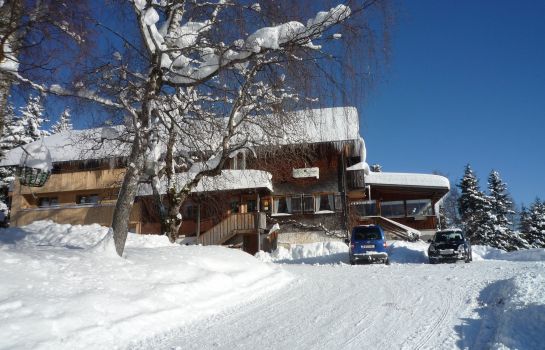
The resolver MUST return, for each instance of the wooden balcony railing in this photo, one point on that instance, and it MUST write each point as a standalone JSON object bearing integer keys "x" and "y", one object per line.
{"x": 243, "y": 223}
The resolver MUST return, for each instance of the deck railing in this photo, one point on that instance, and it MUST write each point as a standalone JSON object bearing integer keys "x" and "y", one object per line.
{"x": 241, "y": 223}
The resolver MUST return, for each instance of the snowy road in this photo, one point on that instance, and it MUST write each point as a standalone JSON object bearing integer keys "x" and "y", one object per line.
{"x": 402, "y": 306}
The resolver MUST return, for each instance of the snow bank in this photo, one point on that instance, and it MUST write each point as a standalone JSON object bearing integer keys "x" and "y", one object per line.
{"x": 402, "y": 252}
{"x": 59, "y": 291}
{"x": 310, "y": 253}
{"x": 513, "y": 313}
{"x": 489, "y": 253}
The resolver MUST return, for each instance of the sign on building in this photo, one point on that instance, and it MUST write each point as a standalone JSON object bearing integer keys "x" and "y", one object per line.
{"x": 306, "y": 172}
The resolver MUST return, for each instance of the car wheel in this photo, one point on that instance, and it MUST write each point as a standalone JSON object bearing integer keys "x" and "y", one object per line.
{"x": 352, "y": 262}
{"x": 433, "y": 261}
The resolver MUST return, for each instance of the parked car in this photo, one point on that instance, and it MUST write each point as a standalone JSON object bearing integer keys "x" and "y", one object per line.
{"x": 367, "y": 244}
{"x": 449, "y": 245}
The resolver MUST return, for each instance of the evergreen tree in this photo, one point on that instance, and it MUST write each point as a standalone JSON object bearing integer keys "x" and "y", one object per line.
{"x": 6, "y": 143}
{"x": 524, "y": 220}
{"x": 536, "y": 231}
{"x": 443, "y": 220}
{"x": 376, "y": 168}
{"x": 475, "y": 210}
{"x": 450, "y": 207}
{"x": 64, "y": 122}
{"x": 501, "y": 206}
{"x": 31, "y": 119}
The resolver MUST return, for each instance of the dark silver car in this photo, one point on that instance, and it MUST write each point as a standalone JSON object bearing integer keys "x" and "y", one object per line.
{"x": 449, "y": 245}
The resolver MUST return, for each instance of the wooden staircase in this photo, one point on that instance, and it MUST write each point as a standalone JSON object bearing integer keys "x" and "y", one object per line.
{"x": 234, "y": 224}
{"x": 395, "y": 229}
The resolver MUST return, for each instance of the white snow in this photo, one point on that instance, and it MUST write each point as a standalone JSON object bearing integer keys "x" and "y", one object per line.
{"x": 61, "y": 290}
{"x": 98, "y": 143}
{"x": 488, "y": 304}
{"x": 313, "y": 253}
{"x": 406, "y": 179}
{"x": 489, "y": 253}
{"x": 36, "y": 156}
{"x": 313, "y": 126}
{"x": 228, "y": 180}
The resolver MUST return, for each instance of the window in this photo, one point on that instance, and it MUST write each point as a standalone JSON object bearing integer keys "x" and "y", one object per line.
{"x": 393, "y": 209}
{"x": 265, "y": 205}
{"x": 308, "y": 204}
{"x": 87, "y": 199}
{"x": 365, "y": 208}
{"x": 338, "y": 202}
{"x": 419, "y": 207}
{"x": 46, "y": 202}
{"x": 251, "y": 205}
{"x": 361, "y": 233}
{"x": 238, "y": 162}
{"x": 190, "y": 211}
{"x": 233, "y": 205}
{"x": 282, "y": 205}
{"x": 325, "y": 202}
{"x": 296, "y": 204}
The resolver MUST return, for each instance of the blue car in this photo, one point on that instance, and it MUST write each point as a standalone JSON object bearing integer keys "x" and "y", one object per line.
{"x": 368, "y": 244}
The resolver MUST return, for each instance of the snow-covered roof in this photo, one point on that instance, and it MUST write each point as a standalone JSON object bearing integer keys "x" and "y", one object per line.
{"x": 313, "y": 126}
{"x": 69, "y": 145}
{"x": 227, "y": 181}
{"x": 407, "y": 179}
{"x": 330, "y": 124}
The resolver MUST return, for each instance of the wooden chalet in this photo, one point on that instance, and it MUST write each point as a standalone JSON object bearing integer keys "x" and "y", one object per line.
{"x": 311, "y": 191}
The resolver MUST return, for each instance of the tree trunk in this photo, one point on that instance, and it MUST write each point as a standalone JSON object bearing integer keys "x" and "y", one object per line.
{"x": 127, "y": 193}
{"x": 136, "y": 161}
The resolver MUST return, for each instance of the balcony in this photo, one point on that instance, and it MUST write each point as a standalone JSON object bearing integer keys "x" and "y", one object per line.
{"x": 77, "y": 181}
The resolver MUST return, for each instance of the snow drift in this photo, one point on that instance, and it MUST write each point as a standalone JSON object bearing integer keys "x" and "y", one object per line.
{"x": 60, "y": 291}
{"x": 512, "y": 313}
{"x": 400, "y": 252}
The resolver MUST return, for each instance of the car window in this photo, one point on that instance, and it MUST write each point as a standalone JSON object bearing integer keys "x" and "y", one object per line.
{"x": 366, "y": 233}
{"x": 448, "y": 236}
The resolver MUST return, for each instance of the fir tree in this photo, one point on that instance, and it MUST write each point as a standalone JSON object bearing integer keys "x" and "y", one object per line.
{"x": 524, "y": 220}
{"x": 536, "y": 231}
{"x": 64, "y": 122}
{"x": 6, "y": 143}
{"x": 501, "y": 206}
{"x": 376, "y": 168}
{"x": 475, "y": 209}
{"x": 443, "y": 220}
{"x": 450, "y": 207}
{"x": 32, "y": 117}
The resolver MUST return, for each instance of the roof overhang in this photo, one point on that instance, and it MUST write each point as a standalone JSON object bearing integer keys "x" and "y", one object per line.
{"x": 229, "y": 180}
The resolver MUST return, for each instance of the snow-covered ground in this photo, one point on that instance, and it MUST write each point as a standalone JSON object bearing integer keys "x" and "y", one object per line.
{"x": 61, "y": 289}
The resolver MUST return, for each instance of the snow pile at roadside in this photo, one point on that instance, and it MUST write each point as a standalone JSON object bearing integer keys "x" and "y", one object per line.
{"x": 513, "y": 313}
{"x": 59, "y": 292}
{"x": 402, "y": 252}
{"x": 310, "y": 253}
{"x": 488, "y": 253}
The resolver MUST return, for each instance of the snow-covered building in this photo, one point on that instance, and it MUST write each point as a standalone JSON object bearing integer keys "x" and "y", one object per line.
{"x": 312, "y": 190}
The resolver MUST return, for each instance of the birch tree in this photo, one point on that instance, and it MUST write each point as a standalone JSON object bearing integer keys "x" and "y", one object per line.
{"x": 200, "y": 81}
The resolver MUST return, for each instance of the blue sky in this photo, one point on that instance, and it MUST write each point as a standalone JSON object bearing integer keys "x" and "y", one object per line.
{"x": 465, "y": 84}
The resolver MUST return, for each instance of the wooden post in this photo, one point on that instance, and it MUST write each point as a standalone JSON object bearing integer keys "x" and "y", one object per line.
{"x": 258, "y": 203}
{"x": 198, "y": 221}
